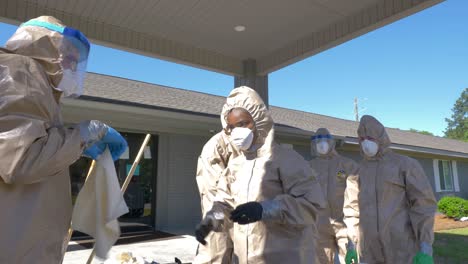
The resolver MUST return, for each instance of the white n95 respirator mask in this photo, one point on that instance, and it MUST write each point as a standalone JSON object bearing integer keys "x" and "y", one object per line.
{"x": 322, "y": 147}
{"x": 242, "y": 138}
{"x": 370, "y": 148}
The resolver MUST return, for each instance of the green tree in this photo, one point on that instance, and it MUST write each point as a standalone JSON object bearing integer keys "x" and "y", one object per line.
{"x": 424, "y": 132}
{"x": 457, "y": 126}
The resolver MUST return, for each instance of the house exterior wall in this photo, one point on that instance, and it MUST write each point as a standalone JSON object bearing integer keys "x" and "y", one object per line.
{"x": 178, "y": 201}
{"x": 304, "y": 151}
{"x": 462, "y": 167}
{"x": 354, "y": 155}
{"x": 426, "y": 164}
{"x": 462, "y": 173}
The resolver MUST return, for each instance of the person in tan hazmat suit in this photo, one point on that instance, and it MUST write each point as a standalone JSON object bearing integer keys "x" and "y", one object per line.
{"x": 268, "y": 191}
{"x": 42, "y": 61}
{"x": 333, "y": 170}
{"x": 212, "y": 162}
{"x": 391, "y": 202}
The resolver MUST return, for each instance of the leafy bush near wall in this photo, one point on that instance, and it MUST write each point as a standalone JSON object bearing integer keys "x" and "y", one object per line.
{"x": 454, "y": 207}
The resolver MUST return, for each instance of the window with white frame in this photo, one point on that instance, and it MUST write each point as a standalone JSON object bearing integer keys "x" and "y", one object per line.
{"x": 446, "y": 176}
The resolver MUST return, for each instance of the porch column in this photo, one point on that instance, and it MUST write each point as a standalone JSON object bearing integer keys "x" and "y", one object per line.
{"x": 250, "y": 78}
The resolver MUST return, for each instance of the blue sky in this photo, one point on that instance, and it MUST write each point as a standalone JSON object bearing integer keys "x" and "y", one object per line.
{"x": 407, "y": 74}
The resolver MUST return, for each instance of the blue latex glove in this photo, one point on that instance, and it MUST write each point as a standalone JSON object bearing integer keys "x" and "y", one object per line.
{"x": 97, "y": 136}
{"x": 116, "y": 143}
{"x": 95, "y": 150}
{"x": 422, "y": 258}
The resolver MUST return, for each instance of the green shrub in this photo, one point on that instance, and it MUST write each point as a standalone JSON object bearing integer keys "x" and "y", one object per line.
{"x": 454, "y": 207}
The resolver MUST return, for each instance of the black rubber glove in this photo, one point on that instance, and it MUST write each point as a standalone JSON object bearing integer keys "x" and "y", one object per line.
{"x": 204, "y": 228}
{"x": 213, "y": 221}
{"x": 247, "y": 213}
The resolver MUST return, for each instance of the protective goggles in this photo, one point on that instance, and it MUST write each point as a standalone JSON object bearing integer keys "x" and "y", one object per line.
{"x": 318, "y": 137}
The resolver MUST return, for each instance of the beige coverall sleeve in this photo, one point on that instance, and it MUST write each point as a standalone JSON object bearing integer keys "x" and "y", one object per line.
{"x": 351, "y": 206}
{"x": 211, "y": 164}
{"x": 422, "y": 202}
{"x": 31, "y": 150}
{"x": 302, "y": 199}
{"x": 223, "y": 194}
{"x": 203, "y": 169}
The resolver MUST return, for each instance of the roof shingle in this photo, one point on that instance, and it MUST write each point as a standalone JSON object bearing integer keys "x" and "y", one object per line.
{"x": 151, "y": 95}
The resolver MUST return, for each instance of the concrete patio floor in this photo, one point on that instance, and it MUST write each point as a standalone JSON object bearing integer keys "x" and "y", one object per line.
{"x": 162, "y": 250}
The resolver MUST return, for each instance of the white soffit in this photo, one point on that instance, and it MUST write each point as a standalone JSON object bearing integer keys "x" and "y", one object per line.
{"x": 202, "y": 33}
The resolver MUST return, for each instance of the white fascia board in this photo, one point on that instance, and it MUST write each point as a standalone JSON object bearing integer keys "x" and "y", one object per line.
{"x": 139, "y": 119}
{"x": 416, "y": 149}
{"x": 114, "y": 107}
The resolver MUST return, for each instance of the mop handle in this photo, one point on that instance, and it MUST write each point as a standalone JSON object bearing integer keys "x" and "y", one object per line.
{"x": 70, "y": 230}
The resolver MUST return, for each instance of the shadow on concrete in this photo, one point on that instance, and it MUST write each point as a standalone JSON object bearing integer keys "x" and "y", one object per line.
{"x": 84, "y": 241}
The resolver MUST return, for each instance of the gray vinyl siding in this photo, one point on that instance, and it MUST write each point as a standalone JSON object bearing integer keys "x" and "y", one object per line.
{"x": 178, "y": 201}
{"x": 428, "y": 168}
{"x": 354, "y": 155}
{"x": 462, "y": 168}
{"x": 304, "y": 151}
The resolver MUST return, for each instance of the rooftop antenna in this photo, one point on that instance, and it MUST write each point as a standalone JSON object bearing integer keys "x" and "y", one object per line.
{"x": 356, "y": 108}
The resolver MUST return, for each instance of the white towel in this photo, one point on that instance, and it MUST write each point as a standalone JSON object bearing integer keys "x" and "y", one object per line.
{"x": 99, "y": 204}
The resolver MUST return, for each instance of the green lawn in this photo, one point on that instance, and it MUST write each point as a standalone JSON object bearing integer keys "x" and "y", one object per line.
{"x": 451, "y": 246}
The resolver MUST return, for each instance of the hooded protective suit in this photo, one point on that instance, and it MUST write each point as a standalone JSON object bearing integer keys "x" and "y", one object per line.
{"x": 391, "y": 200}
{"x": 281, "y": 181}
{"x": 333, "y": 170}
{"x": 35, "y": 152}
{"x": 211, "y": 164}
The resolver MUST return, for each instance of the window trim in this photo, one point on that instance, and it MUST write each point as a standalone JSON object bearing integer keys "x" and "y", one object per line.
{"x": 456, "y": 186}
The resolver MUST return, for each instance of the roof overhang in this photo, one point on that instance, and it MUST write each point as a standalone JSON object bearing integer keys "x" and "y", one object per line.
{"x": 136, "y": 118}
{"x": 201, "y": 33}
